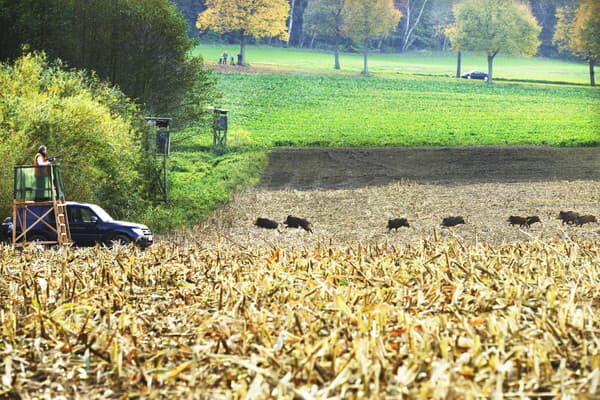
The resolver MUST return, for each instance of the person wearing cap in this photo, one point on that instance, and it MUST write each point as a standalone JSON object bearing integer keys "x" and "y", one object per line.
{"x": 40, "y": 157}
{"x": 41, "y": 172}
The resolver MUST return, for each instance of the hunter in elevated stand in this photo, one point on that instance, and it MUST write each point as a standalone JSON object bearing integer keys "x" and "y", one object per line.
{"x": 41, "y": 174}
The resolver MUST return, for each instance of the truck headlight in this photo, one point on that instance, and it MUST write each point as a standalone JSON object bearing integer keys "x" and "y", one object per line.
{"x": 138, "y": 231}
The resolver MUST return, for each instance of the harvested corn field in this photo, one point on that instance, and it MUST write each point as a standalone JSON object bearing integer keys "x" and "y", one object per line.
{"x": 351, "y": 310}
{"x": 433, "y": 320}
{"x": 349, "y": 194}
{"x": 360, "y": 215}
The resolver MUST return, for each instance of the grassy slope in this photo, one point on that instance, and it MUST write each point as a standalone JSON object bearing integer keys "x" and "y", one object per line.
{"x": 200, "y": 180}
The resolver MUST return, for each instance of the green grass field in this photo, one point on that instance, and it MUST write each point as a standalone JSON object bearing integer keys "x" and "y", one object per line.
{"x": 409, "y": 100}
{"x": 410, "y": 63}
{"x": 313, "y": 110}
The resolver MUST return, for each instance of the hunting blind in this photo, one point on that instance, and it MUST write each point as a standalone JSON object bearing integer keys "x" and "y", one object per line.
{"x": 162, "y": 148}
{"x": 38, "y": 200}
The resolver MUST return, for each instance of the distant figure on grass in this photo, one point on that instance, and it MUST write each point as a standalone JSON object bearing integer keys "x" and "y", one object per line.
{"x": 396, "y": 223}
{"x": 452, "y": 221}
{"x": 232, "y": 61}
{"x": 266, "y": 223}
{"x": 296, "y": 222}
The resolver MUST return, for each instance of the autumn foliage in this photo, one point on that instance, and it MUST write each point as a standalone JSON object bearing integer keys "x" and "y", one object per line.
{"x": 250, "y": 18}
{"x": 94, "y": 126}
{"x": 578, "y": 32}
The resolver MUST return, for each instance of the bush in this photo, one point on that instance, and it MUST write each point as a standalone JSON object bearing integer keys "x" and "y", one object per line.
{"x": 95, "y": 127}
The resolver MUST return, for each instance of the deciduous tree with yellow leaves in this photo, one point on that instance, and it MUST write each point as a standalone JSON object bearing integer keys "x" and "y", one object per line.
{"x": 250, "y": 18}
{"x": 368, "y": 19}
{"x": 578, "y": 31}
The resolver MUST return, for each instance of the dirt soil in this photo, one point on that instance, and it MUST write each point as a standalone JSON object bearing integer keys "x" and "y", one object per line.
{"x": 345, "y": 168}
{"x": 349, "y": 194}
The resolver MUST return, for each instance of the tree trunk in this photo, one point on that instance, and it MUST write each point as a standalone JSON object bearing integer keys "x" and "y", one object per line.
{"x": 405, "y": 38}
{"x": 490, "y": 63}
{"x": 409, "y": 31}
{"x": 458, "y": 62}
{"x": 336, "y": 54}
{"x": 242, "y": 60}
{"x": 293, "y": 2}
{"x": 365, "y": 63}
{"x": 592, "y": 77}
{"x": 337, "y": 39}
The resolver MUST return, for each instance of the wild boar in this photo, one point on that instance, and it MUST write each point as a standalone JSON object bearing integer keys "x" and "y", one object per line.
{"x": 584, "y": 219}
{"x": 567, "y": 217}
{"x": 266, "y": 223}
{"x": 396, "y": 223}
{"x": 296, "y": 222}
{"x": 453, "y": 221}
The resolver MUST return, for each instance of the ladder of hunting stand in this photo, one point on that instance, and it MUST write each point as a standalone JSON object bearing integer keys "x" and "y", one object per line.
{"x": 63, "y": 236}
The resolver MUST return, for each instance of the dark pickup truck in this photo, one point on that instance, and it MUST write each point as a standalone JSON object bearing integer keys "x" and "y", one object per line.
{"x": 89, "y": 225}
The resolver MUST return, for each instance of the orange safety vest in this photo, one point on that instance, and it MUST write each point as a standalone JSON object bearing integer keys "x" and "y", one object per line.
{"x": 40, "y": 171}
{"x": 35, "y": 160}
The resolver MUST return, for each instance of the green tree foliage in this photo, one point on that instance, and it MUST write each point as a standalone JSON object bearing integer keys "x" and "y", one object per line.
{"x": 190, "y": 9}
{"x": 249, "y": 18}
{"x": 578, "y": 31}
{"x": 141, "y": 46}
{"x": 564, "y": 31}
{"x": 365, "y": 20}
{"x": 494, "y": 26}
{"x": 324, "y": 18}
{"x": 544, "y": 12}
{"x": 95, "y": 127}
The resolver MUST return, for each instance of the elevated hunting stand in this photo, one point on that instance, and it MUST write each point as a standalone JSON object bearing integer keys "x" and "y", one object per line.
{"x": 219, "y": 126}
{"x": 162, "y": 148}
{"x": 38, "y": 201}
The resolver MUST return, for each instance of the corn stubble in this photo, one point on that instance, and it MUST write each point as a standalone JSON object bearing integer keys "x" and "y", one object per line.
{"x": 436, "y": 320}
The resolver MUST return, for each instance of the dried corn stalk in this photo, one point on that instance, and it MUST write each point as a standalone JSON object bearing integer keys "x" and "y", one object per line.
{"x": 429, "y": 320}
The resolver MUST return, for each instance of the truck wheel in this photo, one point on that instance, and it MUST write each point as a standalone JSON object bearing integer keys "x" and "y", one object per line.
{"x": 36, "y": 237}
{"x": 121, "y": 239}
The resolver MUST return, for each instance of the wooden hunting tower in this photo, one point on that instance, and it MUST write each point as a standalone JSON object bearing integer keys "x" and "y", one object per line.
{"x": 39, "y": 203}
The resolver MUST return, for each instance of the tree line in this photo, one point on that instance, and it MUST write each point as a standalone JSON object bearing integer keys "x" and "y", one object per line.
{"x": 139, "y": 46}
{"x": 421, "y": 26}
{"x": 488, "y": 26}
